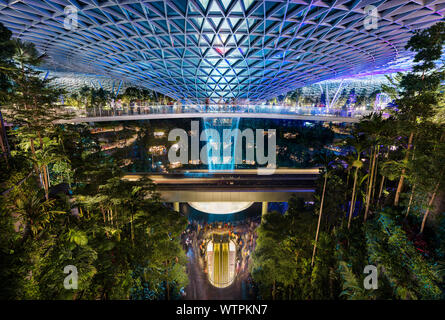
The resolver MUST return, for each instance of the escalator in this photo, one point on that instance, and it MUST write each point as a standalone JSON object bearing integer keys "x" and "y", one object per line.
{"x": 220, "y": 265}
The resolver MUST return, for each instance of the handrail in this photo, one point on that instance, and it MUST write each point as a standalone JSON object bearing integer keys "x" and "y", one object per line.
{"x": 209, "y": 109}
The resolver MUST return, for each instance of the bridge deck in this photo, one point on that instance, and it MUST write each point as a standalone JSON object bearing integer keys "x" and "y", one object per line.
{"x": 237, "y": 186}
{"x": 189, "y": 111}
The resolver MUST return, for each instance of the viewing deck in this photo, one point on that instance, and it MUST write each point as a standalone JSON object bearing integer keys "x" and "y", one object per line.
{"x": 215, "y": 111}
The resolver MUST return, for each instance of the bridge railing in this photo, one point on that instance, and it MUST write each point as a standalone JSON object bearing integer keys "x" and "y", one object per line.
{"x": 208, "y": 109}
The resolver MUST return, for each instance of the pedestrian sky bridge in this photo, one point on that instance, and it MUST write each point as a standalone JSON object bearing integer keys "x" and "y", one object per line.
{"x": 232, "y": 186}
{"x": 147, "y": 112}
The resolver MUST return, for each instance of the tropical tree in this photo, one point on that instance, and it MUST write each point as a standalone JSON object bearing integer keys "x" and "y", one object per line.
{"x": 33, "y": 212}
{"x": 419, "y": 89}
{"x": 358, "y": 143}
{"x": 6, "y": 67}
{"x": 32, "y": 104}
{"x": 372, "y": 126}
{"x": 326, "y": 160}
{"x": 99, "y": 97}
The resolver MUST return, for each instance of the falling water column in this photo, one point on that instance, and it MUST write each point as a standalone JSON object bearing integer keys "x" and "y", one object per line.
{"x": 217, "y": 161}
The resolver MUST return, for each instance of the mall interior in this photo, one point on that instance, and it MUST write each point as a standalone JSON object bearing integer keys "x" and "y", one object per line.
{"x": 222, "y": 150}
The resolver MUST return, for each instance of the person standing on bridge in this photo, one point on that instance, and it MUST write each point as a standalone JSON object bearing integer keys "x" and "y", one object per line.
{"x": 207, "y": 102}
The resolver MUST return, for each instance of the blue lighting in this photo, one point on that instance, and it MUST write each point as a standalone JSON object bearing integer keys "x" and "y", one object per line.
{"x": 216, "y": 161}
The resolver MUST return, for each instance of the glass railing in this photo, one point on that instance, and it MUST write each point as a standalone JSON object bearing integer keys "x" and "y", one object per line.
{"x": 229, "y": 109}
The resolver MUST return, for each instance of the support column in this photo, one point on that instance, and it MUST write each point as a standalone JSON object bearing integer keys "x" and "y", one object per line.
{"x": 264, "y": 209}
{"x": 176, "y": 206}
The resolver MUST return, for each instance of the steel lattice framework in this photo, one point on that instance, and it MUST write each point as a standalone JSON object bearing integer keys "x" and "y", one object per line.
{"x": 195, "y": 49}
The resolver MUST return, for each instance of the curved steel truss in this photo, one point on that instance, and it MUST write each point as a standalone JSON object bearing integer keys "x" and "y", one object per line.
{"x": 195, "y": 49}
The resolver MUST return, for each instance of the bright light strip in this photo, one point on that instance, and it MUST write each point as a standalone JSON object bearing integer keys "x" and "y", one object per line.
{"x": 220, "y": 207}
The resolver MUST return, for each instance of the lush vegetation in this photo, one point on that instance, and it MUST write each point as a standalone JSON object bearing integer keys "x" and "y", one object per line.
{"x": 374, "y": 204}
{"x": 89, "y": 97}
{"x": 63, "y": 202}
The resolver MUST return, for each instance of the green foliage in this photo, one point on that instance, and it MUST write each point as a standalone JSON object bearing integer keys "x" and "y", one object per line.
{"x": 283, "y": 253}
{"x": 410, "y": 275}
{"x": 6, "y": 65}
{"x": 120, "y": 226}
{"x": 352, "y": 285}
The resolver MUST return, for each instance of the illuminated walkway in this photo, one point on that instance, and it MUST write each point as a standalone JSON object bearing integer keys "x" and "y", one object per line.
{"x": 215, "y": 111}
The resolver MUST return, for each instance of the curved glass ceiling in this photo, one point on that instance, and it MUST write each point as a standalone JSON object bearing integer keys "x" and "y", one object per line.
{"x": 196, "y": 49}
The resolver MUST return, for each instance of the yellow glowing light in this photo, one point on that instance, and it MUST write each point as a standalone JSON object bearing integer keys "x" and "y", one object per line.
{"x": 220, "y": 207}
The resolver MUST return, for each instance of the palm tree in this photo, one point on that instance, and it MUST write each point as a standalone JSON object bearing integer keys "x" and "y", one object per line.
{"x": 41, "y": 158}
{"x": 26, "y": 54}
{"x": 34, "y": 212}
{"x": 420, "y": 89}
{"x": 357, "y": 142}
{"x": 402, "y": 176}
{"x": 372, "y": 126}
{"x": 325, "y": 159}
{"x": 33, "y": 103}
{"x": 437, "y": 160}
{"x": 413, "y": 189}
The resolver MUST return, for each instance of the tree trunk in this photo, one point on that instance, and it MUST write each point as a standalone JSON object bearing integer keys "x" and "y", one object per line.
{"x": 368, "y": 180}
{"x": 3, "y": 147}
{"x": 36, "y": 167}
{"x": 370, "y": 185}
{"x": 382, "y": 183}
{"x": 105, "y": 220}
{"x": 4, "y": 138}
{"x": 44, "y": 169}
{"x": 132, "y": 229}
{"x": 381, "y": 187}
{"x": 402, "y": 177}
{"x": 376, "y": 161}
{"x": 319, "y": 218}
{"x": 103, "y": 214}
{"x": 352, "y": 198}
{"x": 429, "y": 207}
{"x": 410, "y": 201}
{"x": 45, "y": 181}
